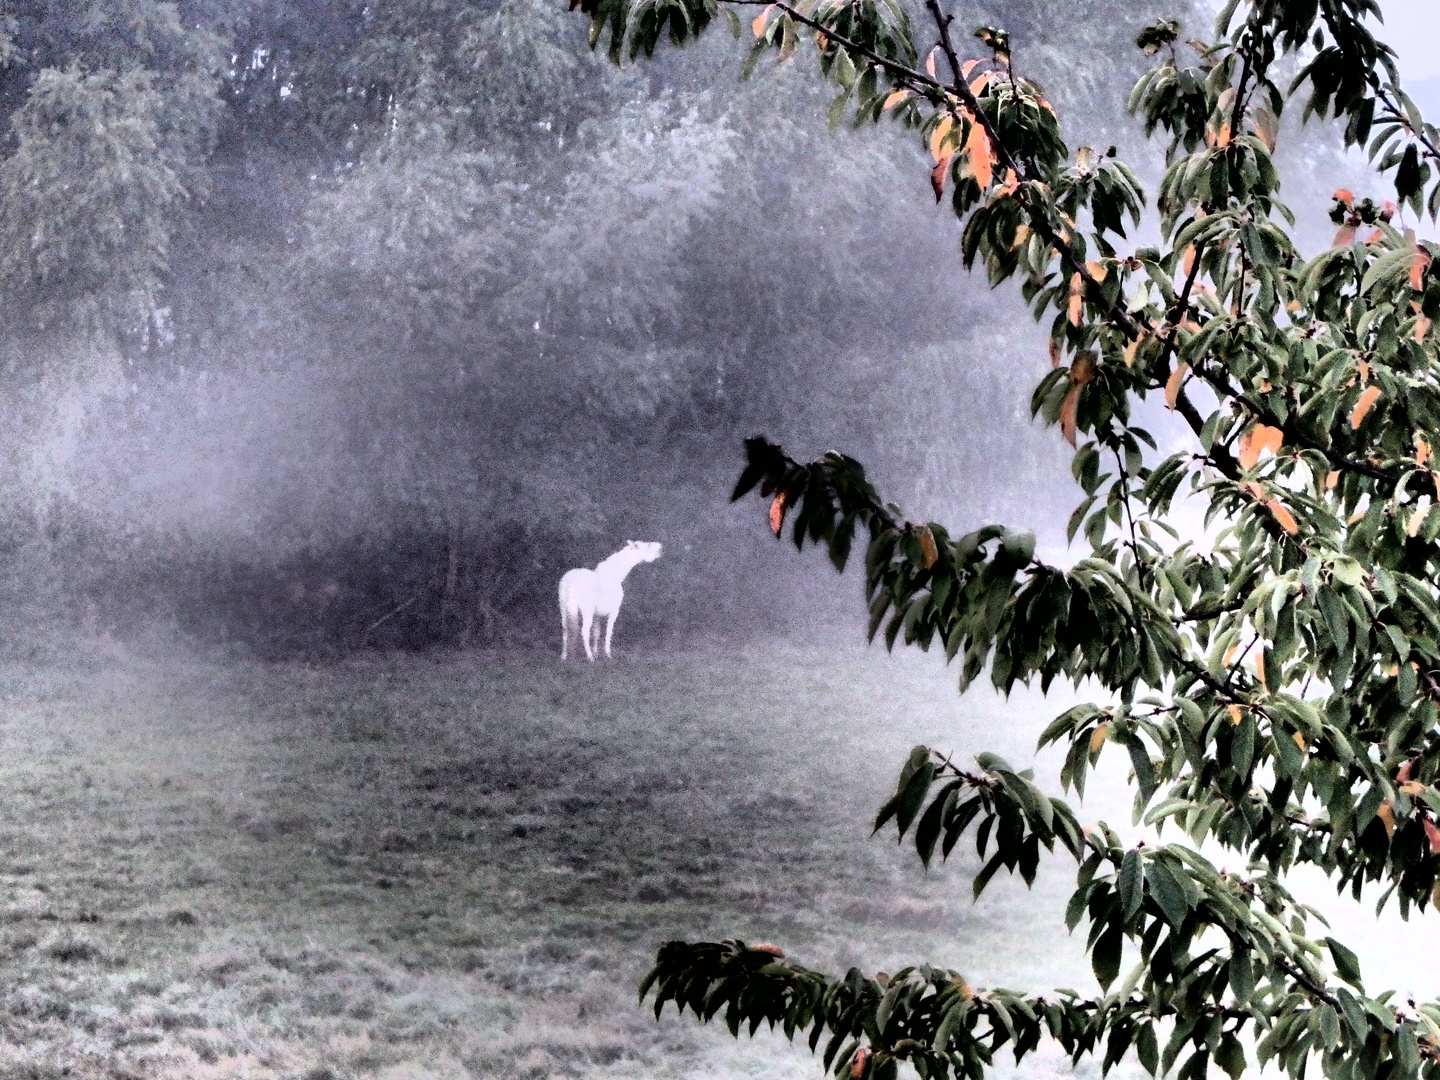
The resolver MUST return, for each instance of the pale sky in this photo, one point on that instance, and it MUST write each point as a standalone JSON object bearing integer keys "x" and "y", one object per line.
{"x": 1412, "y": 29}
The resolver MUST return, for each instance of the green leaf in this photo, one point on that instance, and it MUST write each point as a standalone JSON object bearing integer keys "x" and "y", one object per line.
{"x": 1168, "y": 893}
{"x": 1347, "y": 965}
{"x": 1146, "y": 1048}
{"x": 1242, "y": 976}
{"x": 1230, "y": 1056}
{"x": 1132, "y": 883}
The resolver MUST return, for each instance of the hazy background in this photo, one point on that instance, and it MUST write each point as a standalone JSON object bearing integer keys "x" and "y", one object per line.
{"x": 348, "y": 311}
{"x": 331, "y": 326}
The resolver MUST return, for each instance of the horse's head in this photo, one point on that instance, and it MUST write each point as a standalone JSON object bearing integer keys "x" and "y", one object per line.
{"x": 645, "y": 550}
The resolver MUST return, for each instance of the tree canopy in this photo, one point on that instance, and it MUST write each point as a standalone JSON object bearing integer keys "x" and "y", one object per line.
{"x": 1272, "y": 675}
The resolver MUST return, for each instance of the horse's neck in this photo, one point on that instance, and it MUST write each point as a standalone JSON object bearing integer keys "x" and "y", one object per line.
{"x": 617, "y": 566}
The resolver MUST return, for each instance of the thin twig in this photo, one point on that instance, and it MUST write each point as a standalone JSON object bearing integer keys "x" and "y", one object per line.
{"x": 388, "y": 615}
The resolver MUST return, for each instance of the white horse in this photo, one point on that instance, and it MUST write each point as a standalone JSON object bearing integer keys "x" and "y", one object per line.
{"x": 587, "y": 596}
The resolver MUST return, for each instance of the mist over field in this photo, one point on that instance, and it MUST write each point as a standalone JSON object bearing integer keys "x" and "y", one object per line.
{"x": 334, "y": 333}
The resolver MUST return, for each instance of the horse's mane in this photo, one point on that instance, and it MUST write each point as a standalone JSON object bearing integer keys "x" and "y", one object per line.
{"x": 625, "y": 555}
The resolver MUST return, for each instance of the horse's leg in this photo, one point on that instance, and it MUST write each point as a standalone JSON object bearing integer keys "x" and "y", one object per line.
{"x": 587, "y": 619}
{"x": 610, "y": 629}
{"x": 564, "y": 627}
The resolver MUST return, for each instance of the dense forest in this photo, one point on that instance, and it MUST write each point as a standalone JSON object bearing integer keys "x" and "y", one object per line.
{"x": 333, "y": 325}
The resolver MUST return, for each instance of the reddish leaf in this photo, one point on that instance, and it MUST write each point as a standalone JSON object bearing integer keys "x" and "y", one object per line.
{"x": 977, "y": 149}
{"x": 777, "y": 513}
{"x": 1173, "y": 385}
{"x": 1067, "y": 415}
{"x": 1368, "y": 398}
{"x": 1433, "y": 835}
{"x": 1258, "y": 438}
{"x": 937, "y": 138}
{"x": 1286, "y": 520}
{"x": 937, "y": 178}
{"x": 1387, "y": 817}
{"x": 928, "y": 552}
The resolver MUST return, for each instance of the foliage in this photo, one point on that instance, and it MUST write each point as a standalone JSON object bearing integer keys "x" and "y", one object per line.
{"x": 112, "y": 114}
{"x": 1273, "y": 681}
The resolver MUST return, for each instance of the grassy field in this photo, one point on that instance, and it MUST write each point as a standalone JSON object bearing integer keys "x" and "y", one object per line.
{"x": 461, "y": 866}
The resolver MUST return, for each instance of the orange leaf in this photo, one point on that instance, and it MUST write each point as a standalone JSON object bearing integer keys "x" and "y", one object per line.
{"x": 1173, "y": 384}
{"x": 759, "y": 24}
{"x": 967, "y": 67}
{"x": 857, "y": 1065}
{"x": 1331, "y": 479}
{"x": 1413, "y": 787}
{"x": 981, "y": 81}
{"x": 1260, "y": 669}
{"x": 1097, "y": 269}
{"x": 930, "y": 62}
{"x": 1130, "y": 351}
{"x": 1258, "y": 438}
{"x": 1223, "y": 137}
{"x": 1188, "y": 262}
{"x": 1235, "y": 714}
{"x": 1422, "y": 449}
{"x": 1433, "y": 835}
{"x": 1265, "y": 126}
{"x": 777, "y": 513}
{"x": 937, "y": 177}
{"x": 937, "y": 138}
{"x": 1054, "y": 354}
{"x": 1387, "y": 817}
{"x": 1363, "y": 367}
{"x": 1067, "y": 415}
{"x": 1282, "y": 515}
{"x": 1402, "y": 774}
{"x": 1230, "y": 654}
{"x": 977, "y": 146}
{"x": 766, "y": 947}
{"x": 1344, "y": 196}
{"x": 1077, "y": 299}
{"x": 1417, "y": 269}
{"x": 1082, "y": 370}
{"x": 1097, "y": 738}
{"x": 1300, "y": 741}
{"x": 1367, "y": 399}
{"x": 1344, "y": 236}
{"x": 1010, "y": 186}
{"x": 894, "y": 99}
{"x": 1422, "y": 327}
{"x": 928, "y": 553}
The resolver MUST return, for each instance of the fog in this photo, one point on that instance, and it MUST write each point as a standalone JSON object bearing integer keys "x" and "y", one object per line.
{"x": 425, "y": 319}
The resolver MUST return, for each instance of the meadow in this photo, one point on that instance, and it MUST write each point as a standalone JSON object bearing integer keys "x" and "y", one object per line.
{"x": 460, "y": 865}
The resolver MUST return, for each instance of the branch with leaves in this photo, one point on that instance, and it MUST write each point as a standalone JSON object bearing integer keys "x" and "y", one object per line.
{"x": 1274, "y": 687}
